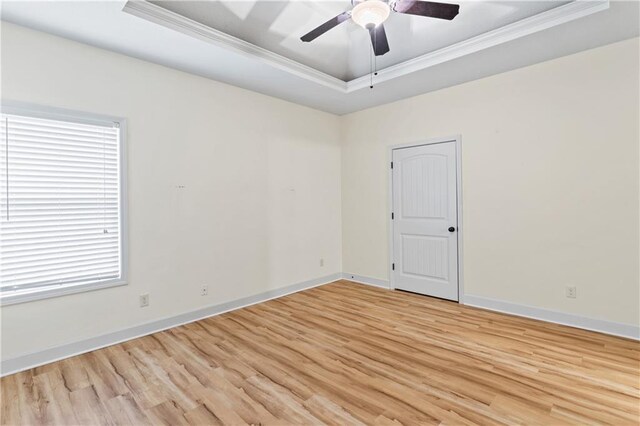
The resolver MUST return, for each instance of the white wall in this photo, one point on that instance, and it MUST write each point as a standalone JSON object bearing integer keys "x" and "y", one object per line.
{"x": 550, "y": 181}
{"x": 260, "y": 207}
{"x": 550, "y": 170}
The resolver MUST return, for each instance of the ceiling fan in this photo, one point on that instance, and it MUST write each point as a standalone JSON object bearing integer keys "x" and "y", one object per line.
{"x": 370, "y": 14}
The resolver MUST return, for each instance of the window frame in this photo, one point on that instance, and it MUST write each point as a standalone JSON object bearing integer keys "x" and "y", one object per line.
{"x": 53, "y": 113}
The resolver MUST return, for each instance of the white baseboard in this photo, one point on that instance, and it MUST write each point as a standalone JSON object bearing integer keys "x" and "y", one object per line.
{"x": 608, "y": 327}
{"x": 35, "y": 359}
{"x": 376, "y": 282}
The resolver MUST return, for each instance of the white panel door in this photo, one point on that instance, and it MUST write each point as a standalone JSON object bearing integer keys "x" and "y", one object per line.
{"x": 425, "y": 220}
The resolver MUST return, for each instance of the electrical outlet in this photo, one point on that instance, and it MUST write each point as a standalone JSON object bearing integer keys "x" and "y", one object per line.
{"x": 321, "y": 262}
{"x": 204, "y": 290}
{"x": 571, "y": 292}
{"x": 144, "y": 300}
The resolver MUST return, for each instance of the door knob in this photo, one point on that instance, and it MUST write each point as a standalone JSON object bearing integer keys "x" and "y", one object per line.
{"x": 452, "y": 229}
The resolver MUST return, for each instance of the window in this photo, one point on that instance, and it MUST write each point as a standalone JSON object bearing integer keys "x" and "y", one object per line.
{"x": 61, "y": 204}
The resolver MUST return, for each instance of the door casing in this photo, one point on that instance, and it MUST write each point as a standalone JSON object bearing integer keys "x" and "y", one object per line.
{"x": 460, "y": 228}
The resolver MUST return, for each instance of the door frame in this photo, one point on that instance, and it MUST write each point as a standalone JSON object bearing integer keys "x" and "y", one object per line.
{"x": 457, "y": 139}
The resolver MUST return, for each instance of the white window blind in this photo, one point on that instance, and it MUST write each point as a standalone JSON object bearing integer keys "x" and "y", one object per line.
{"x": 59, "y": 204}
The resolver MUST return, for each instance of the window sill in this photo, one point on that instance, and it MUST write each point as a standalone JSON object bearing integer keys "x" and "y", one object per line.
{"x": 15, "y": 297}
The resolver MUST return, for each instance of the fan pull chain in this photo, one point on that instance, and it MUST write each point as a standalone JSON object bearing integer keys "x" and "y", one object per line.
{"x": 375, "y": 65}
{"x": 372, "y": 60}
{"x": 371, "y": 70}
{"x": 375, "y": 58}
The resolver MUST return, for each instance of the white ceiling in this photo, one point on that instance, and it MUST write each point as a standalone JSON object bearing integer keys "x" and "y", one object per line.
{"x": 444, "y": 57}
{"x": 345, "y": 51}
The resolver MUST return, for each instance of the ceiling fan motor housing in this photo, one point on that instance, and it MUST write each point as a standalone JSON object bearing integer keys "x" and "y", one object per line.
{"x": 356, "y": 2}
{"x": 369, "y": 13}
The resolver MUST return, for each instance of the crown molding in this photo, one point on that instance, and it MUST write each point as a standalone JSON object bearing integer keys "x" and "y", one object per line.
{"x": 159, "y": 15}
{"x": 524, "y": 27}
{"x": 542, "y": 21}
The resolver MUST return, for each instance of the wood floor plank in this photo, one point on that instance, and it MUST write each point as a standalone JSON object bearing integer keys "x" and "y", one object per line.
{"x": 343, "y": 354}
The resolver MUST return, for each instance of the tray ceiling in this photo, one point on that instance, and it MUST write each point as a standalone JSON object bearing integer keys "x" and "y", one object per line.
{"x": 345, "y": 51}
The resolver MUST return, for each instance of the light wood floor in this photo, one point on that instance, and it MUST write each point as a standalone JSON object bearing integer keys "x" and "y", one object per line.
{"x": 341, "y": 354}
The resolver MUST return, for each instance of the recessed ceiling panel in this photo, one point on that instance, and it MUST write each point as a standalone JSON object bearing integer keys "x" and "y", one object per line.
{"x": 345, "y": 51}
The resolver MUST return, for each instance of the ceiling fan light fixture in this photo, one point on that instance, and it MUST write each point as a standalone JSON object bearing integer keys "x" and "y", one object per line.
{"x": 370, "y": 12}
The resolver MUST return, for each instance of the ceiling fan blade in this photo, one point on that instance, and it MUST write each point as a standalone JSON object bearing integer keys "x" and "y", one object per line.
{"x": 427, "y": 8}
{"x": 379, "y": 40}
{"x": 317, "y": 32}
